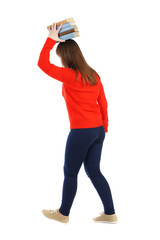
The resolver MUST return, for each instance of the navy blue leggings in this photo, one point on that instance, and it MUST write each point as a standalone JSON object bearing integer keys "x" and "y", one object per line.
{"x": 84, "y": 145}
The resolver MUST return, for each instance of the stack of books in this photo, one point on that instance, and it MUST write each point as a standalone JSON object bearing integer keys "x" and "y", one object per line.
{"x": 68, "y": 30}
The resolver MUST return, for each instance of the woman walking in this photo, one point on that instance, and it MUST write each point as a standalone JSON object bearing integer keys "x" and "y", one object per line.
{"x": 86, "y": 104}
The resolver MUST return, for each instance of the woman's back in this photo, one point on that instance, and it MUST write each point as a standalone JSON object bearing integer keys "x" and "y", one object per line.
{"x": 84, "y": 104}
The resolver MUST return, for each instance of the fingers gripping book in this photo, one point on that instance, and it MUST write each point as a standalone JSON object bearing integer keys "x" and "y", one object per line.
{"x": 68, "y": 30}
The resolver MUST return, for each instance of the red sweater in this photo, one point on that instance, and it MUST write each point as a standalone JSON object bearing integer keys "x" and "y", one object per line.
{"x": 86, "y": 105}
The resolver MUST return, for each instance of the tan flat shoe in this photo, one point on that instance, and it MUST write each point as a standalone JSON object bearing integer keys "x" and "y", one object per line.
{"x": 106, "y": 218}
{"x": 55, "y": 215}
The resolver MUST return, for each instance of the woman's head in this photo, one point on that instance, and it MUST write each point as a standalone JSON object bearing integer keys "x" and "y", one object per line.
{"x": 72, "y": 57}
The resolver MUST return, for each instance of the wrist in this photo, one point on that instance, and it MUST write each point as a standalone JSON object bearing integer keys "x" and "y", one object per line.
{"x": 51, "y": 38}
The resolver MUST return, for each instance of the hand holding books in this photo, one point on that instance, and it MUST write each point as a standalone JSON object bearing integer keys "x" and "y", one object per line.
{"x": 68, "y": 29}
{"x": 53, "y": 33}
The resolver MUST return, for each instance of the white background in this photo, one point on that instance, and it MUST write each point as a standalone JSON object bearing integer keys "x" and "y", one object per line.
{"x": 120, "y": 40}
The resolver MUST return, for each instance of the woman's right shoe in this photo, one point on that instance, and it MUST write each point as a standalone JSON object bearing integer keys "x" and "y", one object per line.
{"x": 55, "y": 215}
{"x": 105, "y": 218}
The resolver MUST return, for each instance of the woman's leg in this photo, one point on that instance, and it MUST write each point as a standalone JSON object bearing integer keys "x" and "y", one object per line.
{"x": 92, "y": 168}
{"x": 77, "y": 145}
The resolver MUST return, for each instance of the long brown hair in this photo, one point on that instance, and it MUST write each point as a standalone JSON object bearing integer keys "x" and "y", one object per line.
{"x": 72, "y": 57}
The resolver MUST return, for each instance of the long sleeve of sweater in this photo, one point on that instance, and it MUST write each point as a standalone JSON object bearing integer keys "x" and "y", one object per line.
{"x": 103, "y": 104}
{"x": 59, "y": 73}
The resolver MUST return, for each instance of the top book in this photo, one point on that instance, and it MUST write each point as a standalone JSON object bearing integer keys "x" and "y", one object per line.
{"x": 68, "y": 30}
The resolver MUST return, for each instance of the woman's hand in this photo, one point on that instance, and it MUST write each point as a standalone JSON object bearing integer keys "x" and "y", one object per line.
{"x": 53, "y": 33}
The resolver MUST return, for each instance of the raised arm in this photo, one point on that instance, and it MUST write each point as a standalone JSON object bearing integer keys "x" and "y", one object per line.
{"x": 61, "y": 74}
{"x": 102, "y": 101}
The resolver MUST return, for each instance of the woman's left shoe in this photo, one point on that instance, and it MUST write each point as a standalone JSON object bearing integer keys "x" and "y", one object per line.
{"x": 55, "y": 215}
{"x": 105, "y": 218}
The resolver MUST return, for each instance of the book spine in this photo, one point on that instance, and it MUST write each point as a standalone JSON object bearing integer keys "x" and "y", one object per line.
{"x": 68, "y": 20}
{"x": 70, "y": 35}
{"x": 65, "y": 21}
{"x": 66, "y": 32}
{"x": 67, "y": 27}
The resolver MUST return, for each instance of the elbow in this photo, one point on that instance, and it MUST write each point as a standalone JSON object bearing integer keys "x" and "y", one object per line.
{"x": 39, "y": 64}
{"x": 43, "y": 67}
